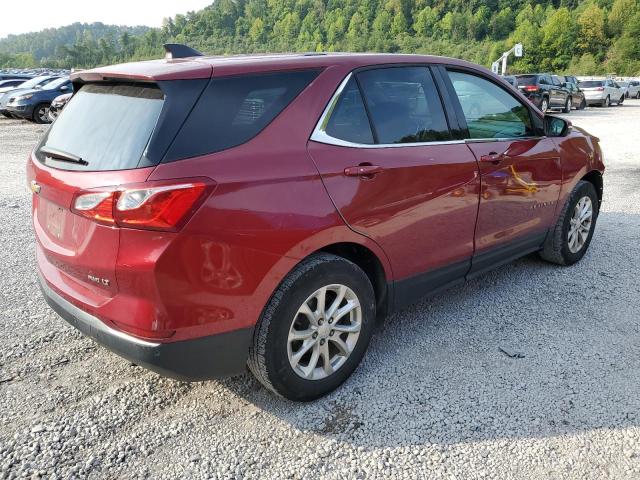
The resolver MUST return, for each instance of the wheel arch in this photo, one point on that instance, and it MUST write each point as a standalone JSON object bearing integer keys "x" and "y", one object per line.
{"x": 595, "y": 178}
{"x": 372, "y": 266}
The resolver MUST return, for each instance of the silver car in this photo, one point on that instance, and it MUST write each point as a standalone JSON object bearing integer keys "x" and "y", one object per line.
{"x": 631, "y": 88}
{"x": 601, "y": 92}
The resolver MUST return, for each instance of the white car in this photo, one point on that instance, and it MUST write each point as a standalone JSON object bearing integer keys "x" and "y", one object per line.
{"x": 631, "y": 88}
{"x": 601, "y": 92}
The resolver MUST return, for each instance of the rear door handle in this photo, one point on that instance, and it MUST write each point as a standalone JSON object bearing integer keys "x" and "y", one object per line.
{"x": 363, "y": 171}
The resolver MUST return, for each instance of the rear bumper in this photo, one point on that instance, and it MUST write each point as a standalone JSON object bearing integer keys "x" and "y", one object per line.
{"x": 193, "y": 360}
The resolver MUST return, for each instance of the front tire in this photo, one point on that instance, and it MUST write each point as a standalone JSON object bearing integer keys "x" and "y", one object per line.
{"x": 567, "y": 105}
{"x": 41, "y": 113}
{"x": 606, "y": 102}
{"x": 583, "y": 104}
{"x": 315, "y": 329}
{"x": 569, "y": 239}
{"x": 621, "y": 101}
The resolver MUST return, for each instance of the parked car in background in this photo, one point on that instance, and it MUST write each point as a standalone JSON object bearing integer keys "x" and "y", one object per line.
{"x": 12, "y": 76}
{"x": 6, "y": 85}
{"x": 576, "y": 94}
{"x": 34, "y": 104}
{"x": 544, "y": 92}
{"x": 631, "y": 88}
{"x": 28, "y": 85}
{"x": 634, "y": 89}
{"x": 58, "y": 104}
{"x": 170, "y": 228}
{"x": 601, "y": 92}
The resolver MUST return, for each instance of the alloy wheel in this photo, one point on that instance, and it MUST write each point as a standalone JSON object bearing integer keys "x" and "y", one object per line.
{"x": 324, "y": 332}
{"x": 43, "y": 114}
{"x": 545, "y": 105}
{"x": 580, "y": 224}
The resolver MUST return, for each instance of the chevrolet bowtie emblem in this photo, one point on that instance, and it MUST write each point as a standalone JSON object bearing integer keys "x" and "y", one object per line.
{"x": 35, "y": 187}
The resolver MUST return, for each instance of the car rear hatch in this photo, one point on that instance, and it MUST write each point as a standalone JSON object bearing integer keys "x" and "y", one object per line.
{"x": 110, "y": 135}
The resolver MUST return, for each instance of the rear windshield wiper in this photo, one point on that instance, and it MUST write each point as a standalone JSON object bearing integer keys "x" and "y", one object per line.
{"x": 62, "y": 156}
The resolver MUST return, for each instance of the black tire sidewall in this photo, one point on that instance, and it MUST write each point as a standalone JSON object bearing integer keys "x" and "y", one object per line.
{"x": 588, "y": 190}
{"x": 36, "y": 118}
{"x": 281, "y": 375}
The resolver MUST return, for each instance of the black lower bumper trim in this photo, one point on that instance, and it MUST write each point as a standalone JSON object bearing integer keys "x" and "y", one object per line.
{"x": 194, "y": 360}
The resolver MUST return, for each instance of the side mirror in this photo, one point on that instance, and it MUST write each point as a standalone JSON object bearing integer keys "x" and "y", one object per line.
{"x": 556, "y": 126}
{"x": 64, "y": 88}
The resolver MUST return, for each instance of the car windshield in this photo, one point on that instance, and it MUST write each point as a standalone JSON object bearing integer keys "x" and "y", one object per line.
{"x": 526, "y": 79}
{"x": 591, "y": 84}
{"x": 35, "y": 82}
{"x": 55, "y": 84}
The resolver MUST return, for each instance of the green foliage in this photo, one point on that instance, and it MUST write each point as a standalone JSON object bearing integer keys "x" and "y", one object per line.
{"x": 581, "y": 36}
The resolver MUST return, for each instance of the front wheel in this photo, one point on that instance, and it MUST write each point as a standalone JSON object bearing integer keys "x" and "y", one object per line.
{"x": 583, "y": 104}
{"x": 621, "y": 100}
{"x": 606, "y": 102}
{"x": 569, "y": 239}
{"x": 567, "y": 105}
{"x": 315, "y": 329}
{"x": 41, "y": 113}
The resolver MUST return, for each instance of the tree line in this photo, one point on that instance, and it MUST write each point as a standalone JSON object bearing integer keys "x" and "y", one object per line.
{"x": 579, "y": 36}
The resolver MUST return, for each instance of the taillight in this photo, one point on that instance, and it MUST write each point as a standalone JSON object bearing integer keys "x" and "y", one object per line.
{"x": 150, "y": 206}
{"x": 600, "y": 89}
{"x": 530, "y": 88}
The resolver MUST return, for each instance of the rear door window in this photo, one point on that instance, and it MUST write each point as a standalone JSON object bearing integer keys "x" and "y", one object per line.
{"x": 490, "y": 111}
{"x": 404, "y": 105}
{"x": 233, "y": 110}
{"x": 106, "y": 126}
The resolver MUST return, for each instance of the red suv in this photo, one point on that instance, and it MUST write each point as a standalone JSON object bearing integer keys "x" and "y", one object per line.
{"x": 199, "y": 214}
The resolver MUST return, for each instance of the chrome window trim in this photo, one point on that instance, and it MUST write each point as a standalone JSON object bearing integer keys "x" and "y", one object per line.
{"x": 321, "y": 136}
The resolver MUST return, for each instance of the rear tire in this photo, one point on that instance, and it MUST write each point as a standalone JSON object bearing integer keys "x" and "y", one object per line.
{"x": 41, "y": 113}
{"x": 621, "y": 101}
{"x": 544, "y": 106}
{"x": 5, "y": 114}
{"x": 561, "y": 246}
{"x": 296, "y": 334}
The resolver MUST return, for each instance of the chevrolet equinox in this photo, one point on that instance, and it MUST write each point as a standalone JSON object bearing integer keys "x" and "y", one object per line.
{"x": 197, "y": 215}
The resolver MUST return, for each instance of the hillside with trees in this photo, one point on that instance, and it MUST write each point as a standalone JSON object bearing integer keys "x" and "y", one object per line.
{"x": 582, "y": 36}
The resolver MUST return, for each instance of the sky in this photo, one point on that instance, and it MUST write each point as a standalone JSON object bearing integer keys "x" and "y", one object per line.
{"x": 30, "y": 16}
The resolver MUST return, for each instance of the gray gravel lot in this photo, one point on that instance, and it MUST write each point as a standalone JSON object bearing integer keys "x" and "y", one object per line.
{"x": 434, "y": 398}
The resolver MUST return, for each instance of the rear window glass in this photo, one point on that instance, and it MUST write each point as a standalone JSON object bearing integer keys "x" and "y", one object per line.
{"x": 107, "y": 126}
{"x": 591, "y": 84}
{"x": 233, "y": 110}
{"x": 404, "y": 105}
{"x": 349, "y": 119}
{"x": 527, "y": 79}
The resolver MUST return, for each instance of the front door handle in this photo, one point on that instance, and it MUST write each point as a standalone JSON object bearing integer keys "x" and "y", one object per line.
{"x": 493, "y": 157}
{"x": 363, "y": 170}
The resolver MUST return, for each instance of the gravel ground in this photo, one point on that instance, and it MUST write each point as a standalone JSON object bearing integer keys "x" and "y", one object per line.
{"x": 434, "y": 398}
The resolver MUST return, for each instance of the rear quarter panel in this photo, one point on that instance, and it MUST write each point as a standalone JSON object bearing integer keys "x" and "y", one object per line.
{"x": 268, "y": 212}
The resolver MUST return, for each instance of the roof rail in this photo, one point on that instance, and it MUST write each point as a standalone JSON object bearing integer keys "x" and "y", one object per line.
{"x": 178, "y": 50}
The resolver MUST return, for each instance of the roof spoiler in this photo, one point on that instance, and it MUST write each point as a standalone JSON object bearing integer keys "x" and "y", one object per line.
{"x": 177, "y": 50}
